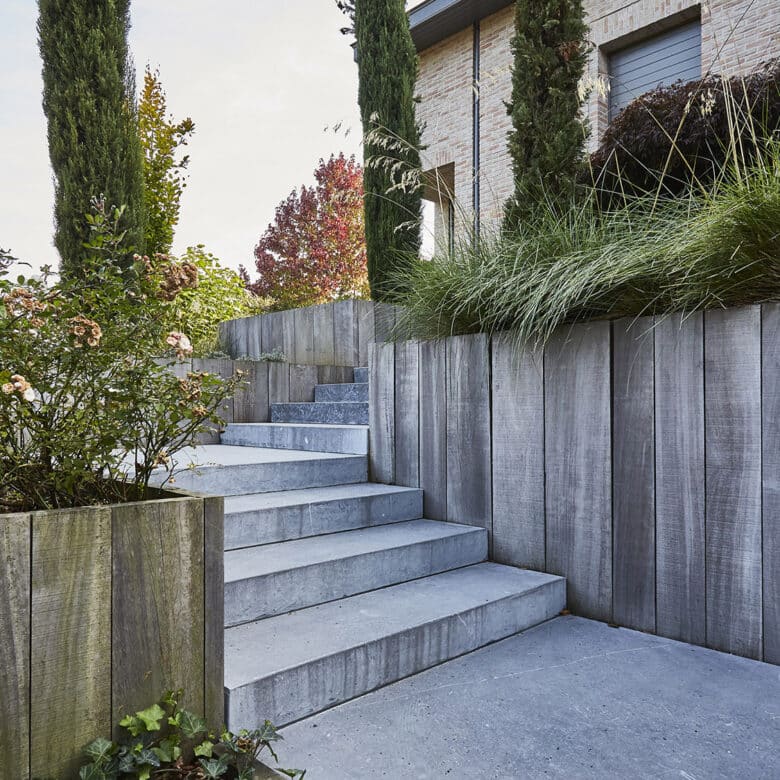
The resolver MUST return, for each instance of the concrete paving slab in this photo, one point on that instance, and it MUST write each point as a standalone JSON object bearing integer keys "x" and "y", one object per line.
{"x": 571, "y": 698}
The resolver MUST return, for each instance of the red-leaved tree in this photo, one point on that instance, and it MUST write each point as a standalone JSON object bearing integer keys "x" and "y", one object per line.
{"x": 315, "y": 250}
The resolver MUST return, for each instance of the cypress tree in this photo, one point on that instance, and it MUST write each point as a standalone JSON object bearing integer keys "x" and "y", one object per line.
{"x": 89, "y": 102}
{"x": 387, "y": 65}
{"x": 547, "y": 140}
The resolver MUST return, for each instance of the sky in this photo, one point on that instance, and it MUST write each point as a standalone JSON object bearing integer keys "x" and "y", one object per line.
{"x": 265, "y": 83}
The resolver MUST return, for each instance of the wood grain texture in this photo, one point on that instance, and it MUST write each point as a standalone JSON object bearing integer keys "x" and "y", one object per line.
{"x": 771, "y": 479}
{"x": 578, "y": 485}
{"x": 384, "y": 321}
{"x": 407, "y": 414}
{"x": 680, "y": 496}
{"x": 334, "y": 375}
{"x": 345, "y": 334}
{"x": 381, "y": 412}
{"x": 469, "y": 492}
{"x": 222, "y": 367}
{"x": 633, "y": 473}
{"x": 226, "y": 336}
{"x": 158, "y": 603}
{"x": 302, "y": 382}
{"x": 518, "y": 454}
{"x": 252, "y": 341}
{"x": 250, "y": 404}
{"x": 433, "y": 428}
{"x": 71, "y": 636}
{"x": 366, "y": 329}
{"x": 15, "y": 541}
{"x": 277, "y": 333}
{"x": 278, "y": 383}
{"x": 732, "y": 391}
{"x": 214, "y": 610}
{"x": 324, "y": 339}
{"x": 304, "y": 351}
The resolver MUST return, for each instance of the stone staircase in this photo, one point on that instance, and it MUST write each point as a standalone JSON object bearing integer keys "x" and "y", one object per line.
{"x": 335, "y": 586}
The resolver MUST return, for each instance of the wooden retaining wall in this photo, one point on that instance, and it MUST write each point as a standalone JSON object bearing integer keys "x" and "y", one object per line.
{"x": 332, "y": 334}
{"x": 103, "y": 609}
{"x": 640, "y": 460}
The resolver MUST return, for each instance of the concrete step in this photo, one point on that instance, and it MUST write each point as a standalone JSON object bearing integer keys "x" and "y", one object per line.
{"x": 276, "y": 517}
{"x": 278, "y": 578}
{"x": 339, "y": 413}
{"x": 221, "y": 470}
{"x": 361, "y": 374}
{"x": 346, "y": 439}
{"x": 291, "y": 666}
{"x": 355, "y": 391}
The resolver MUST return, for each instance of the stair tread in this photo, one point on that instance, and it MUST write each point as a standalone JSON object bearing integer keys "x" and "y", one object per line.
{"x": 227, "y": 455}
{"x": 251, "y": 562}
{"x": 323, "y": 426}
{"x": 303, "y": 496}
{"x": 266, "y": 647}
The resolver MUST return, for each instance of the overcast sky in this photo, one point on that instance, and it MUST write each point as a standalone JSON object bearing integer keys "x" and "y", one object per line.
{"x": 261, "y": 80}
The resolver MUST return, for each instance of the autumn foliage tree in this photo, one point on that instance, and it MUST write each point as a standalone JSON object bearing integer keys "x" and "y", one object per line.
{"x": 315, "y": 250}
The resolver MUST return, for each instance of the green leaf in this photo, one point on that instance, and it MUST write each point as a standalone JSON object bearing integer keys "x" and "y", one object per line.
{"x": 100, "y": 750}
{"x": 205, "y": 749}
{"x": 132, "y": 724}
{"x": 214, "y": 768}
{"x": 151, "y": 717}
{"x": 92, "y": 772}
{"x": 191, "y": 725}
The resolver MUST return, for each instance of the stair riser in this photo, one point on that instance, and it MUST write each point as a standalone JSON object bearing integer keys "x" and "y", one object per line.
{"x": 303, "y": 691}
{"x": 267, "y": 477}
{"x": 309, "y": 438}
{"x": 361, "y": 374}
{"x": 280, "y": 524}
{"x": 280, "y": 592}
{"x": 341, "y": 393}
{"x": 322, "y": 413}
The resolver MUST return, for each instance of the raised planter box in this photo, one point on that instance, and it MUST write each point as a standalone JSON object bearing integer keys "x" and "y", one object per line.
{"x": 102, "y": 609}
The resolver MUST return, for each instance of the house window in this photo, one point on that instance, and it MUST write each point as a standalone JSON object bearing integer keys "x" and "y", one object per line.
{"x": 673, "y": 55}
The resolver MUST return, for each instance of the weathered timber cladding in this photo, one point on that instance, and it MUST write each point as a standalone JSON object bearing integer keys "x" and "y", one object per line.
{"x": 578, "y": 461}
{"x": 303, "y": 336}
{"x": 345, "y": 334}
{"x": 433, "y": 428}
{"x": 469, "y": 493}
{"x": 302, "y": 382}
{"x": 15, "y": 539}
{"x": 518, "y": 455}
{"x": 250, "y": 403}
{"x": 633, "y": 478}
{"x": 381, "y": 417}
{"x": 214, "y": 609}
{"x": 679, "y": 465}
{"x": 407, "y": 414}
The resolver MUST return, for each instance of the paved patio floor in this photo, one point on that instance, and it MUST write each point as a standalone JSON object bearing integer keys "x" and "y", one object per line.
{"x": 571, "y": 698}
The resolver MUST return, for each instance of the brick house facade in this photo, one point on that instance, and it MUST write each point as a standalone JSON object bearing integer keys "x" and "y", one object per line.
{"x": 465, "y": 79}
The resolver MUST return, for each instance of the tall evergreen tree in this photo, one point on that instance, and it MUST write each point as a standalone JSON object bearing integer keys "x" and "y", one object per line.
{"x": 547, "y": 140}
{"x": 387, "y": 66}
{"x": 89, "y": 102}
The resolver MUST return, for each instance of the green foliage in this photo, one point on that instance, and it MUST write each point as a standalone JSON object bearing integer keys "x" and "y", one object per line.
{"x": 168, "y": 741}
{"x": 387, "y": 66}
{"x": 89, "y": 405}
{"x": 161, "y": 137}
{"x": 652, "y": 256}
{"x": 219, "y": 295}
{"x": 89, "y": 102}
{"x": 547, "y": 140}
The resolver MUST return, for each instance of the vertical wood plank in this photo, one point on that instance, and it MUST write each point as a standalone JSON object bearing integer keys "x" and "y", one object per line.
{"x": 732, "y": 388}
{"x": 214, "y": 611}
{"x": 278, "y": 383}
{"x": 250, "y": 404}
{"x": 345, "y": 334}
{"x": 324, "y": 346}
{"x": 219, "y": 367}
{"x": 433, "y": 428}
{"x": 384, "y": 321}
{"x": 407, "y": 414}
{"x": 158, "y": 603}
{"x": 366, "y": 329}
{"x": 226, "y": 337}
{"x": 302, "y": 382}
{"x": 578, "y": 483}
{"x": 381, "y": 412}
{"x": 771, "y": 479}
{"x": 633, "y": 475}
{"x": 271, "y": 332}
{"x": 71, "y": 637}
{"x": 253, "y": 337}
{"x": 334, "y": 375}
{"x": 15, "y": 541}
{"x": 518, "y": 454}
{"x": 304, "y": 335}
{"x": 679, "y": 458}
{"x": 469, "y": 491}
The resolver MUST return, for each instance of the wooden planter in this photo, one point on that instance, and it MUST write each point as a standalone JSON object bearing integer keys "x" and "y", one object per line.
{"x": 102, "y": 609}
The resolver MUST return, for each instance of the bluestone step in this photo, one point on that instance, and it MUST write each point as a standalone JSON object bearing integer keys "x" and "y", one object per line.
{"x": 278, "y": 578}
{"x": 361, "y": 374}
{"x": 343, "y": 392}
{"x": 341, "y": 413}
{"x": 346, "y": 439}
{"x": 288, "y": 667}
{"x": 221, "y": 470}
{"x": 277, "y": 517}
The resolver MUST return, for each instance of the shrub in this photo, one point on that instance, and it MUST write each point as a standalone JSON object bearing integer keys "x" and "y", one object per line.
{"x": 680, "y": 136}
{"x": 89, "y": 407}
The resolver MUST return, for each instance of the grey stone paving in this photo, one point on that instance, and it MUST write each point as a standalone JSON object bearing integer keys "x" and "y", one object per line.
{"x": 571, "y": 698}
